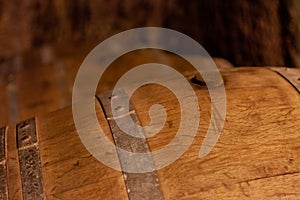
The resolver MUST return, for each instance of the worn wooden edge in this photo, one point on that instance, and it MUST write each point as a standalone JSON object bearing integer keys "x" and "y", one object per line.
{"x": 256, "y": 102}
{"x": 139, "y": 185}
{"x": 272, "y": 74}
{"x": 222, "y": 63}
{"x": 13, "y": 167}
{"x": 292, "y": 75}
{"x": 3, "y": 164}
{"x": 69, "y": 170}
{"x": 29, "y": 160}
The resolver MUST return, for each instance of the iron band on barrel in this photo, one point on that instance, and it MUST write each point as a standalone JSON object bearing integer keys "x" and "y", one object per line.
{"x": 29, "y": 159}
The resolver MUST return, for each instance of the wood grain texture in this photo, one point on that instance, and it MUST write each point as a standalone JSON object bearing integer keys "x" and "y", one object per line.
{"x": 256, "y": 157}
{"x": 135, "y": 58}
{"x": 13, "y": 167}
{"x": 68, "y": 169}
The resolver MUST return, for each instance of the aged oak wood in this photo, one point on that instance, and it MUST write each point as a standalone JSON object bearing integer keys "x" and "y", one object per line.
{"x": 256, "y": 157}
{"x": 67, "y": 176}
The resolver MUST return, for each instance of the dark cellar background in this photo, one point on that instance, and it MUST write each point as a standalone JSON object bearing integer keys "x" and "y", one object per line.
{"x": 42, "y": 43}
{"x": 257, "y": 32}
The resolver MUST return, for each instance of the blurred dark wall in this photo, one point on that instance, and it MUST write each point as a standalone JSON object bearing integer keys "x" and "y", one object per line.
{"x": 256, "y": 32}
{"x": 30, "y": 23}
{"x": 249, "y": 32}
{"x": 245, "y": 32}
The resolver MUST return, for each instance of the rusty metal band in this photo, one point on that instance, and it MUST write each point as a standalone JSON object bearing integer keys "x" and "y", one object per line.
{"x": 2, "y": 144}
{"x": 139, "y": 185}
{"x": 3, "y": 174}
{"x": 292, "y": 75}
{"x": 29, "y": 160}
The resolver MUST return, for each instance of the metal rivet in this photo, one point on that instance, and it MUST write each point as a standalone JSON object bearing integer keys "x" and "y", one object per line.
{"x": 119, "y": 108}
{"x": 113, "y": 97}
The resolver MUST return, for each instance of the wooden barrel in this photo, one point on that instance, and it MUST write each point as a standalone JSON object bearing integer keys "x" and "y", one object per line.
{"x": 256, "y": 157}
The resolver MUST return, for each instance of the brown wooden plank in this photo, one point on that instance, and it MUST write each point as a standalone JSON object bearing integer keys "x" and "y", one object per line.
{"x": 278, "y": 187}
{"x": 260, "y": 139}
{"x": 139, "y": 57}
{"x": 105, "y": 189}
{"x": 257, "y": 155}
{"x": 68, "y": 168}
{"x": 243, "y": 152}
{"x": 13, "y": 167}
